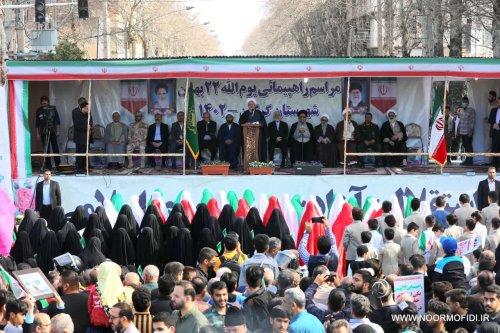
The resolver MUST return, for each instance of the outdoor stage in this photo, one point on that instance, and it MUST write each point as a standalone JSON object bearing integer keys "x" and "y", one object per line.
{"x": 381, "y": 183}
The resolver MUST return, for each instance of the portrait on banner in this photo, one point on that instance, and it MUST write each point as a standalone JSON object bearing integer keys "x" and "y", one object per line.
{"x": 359, "y": 95}
{"x": 162, "y": 96}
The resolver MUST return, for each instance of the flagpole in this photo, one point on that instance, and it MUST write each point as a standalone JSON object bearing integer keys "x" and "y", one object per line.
{"x": 345, "y": 122}
{"x": 186, "y": 102}
{"x": 442, "y": 113}
{"x": 88, "y": 128}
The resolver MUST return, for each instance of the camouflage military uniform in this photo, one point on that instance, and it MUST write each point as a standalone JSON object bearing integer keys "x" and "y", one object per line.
{"x": 137, "y": 134}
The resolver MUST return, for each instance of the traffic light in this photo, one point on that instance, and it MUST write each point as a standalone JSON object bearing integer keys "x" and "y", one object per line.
{"x": 40, "y": 11}
{"x": 83, "y": 8}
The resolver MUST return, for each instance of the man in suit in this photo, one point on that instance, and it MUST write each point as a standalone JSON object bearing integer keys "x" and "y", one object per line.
{"x": 325, "y": 143}
{"x": 491, "y": 211}
{"x": 493, "y": 239}
{"x": 82, "y": 129}
{"x": 485, "y": 186}
{"x": 352, "y": 235}
{"x": 278, "y": 137}
{"x": 389, "y": 254}
{"x": 410, "y": 242}
{"x": 494, "y": 121}
{"x": 177, "y": 138}
{"x": 48, "y": 195}
{"x": 415, "y": 216}
{"x": 157, "y": 139}
{"x": 206, "y": 135}
{"x": 464, "y": 212}
{"x": 229, "y": 138}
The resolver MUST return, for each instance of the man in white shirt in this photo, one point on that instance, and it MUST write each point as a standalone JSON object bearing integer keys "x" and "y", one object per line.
{"x": 377, "y": 239}
{"x": 48, "y": 195}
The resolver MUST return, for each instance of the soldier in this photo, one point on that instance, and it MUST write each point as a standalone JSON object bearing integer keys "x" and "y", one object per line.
{"x": 369, "y": 138}
{"x": 137, "y": 138}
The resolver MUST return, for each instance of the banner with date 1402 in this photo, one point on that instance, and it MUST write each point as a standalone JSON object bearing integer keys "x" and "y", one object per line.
{"x": 219, "y": 97}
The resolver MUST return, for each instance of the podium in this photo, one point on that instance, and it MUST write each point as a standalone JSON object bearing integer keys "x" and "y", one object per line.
{"x": 250, "y": 144}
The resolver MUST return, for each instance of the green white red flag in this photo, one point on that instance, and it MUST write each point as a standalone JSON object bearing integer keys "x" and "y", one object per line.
{"x": 437, "y": 144}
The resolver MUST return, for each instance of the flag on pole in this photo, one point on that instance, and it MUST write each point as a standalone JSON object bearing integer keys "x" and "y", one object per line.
{"x": 191, "y": 129}
{"x": 15, "y": 287}
{"x": 437, "y": 145}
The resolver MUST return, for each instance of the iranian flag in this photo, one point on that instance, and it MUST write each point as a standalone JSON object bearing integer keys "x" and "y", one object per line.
{"x": 371, "y": 209}
{"x": 437, "y": 145}
{"x": 134, "y": 95}
{"x": 384, "y": 92}
{"x": 15, "y": 287}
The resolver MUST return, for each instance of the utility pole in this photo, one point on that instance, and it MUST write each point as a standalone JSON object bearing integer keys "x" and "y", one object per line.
{"x": 3, "y": 37}
{"x": 103, "y": 33}
{"x": 380, "y": 40}
{"x": 20, "y": 36}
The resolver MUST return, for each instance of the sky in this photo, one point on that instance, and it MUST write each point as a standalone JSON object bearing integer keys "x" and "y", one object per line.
{"x": 231, "y": 20}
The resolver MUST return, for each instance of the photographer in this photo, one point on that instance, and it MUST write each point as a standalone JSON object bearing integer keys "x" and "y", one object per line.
{"x": 47, "y": 125}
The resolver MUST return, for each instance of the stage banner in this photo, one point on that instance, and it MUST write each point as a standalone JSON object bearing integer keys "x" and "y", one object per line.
{"x": 220, "y": 97}
{"x": 134, "y": 95}
{"x": 384, "y": 93}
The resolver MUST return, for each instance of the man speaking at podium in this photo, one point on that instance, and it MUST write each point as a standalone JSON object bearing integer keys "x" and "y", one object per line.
{"x": 253, "y": 116}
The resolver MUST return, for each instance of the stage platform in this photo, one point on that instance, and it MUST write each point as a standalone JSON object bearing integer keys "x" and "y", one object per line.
{"x": 423, "y": 182}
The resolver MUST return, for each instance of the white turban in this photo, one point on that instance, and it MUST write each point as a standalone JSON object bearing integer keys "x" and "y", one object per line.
{"x": 251, "y": 99}
{"x": 393, "y": 111}
{"x": 325, "y": 116}
{"x": 116, "y": 112}
{"x": 345, "y": 110}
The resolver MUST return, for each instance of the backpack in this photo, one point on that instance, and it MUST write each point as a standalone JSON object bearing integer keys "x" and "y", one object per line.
{"x": 256, "y": 309}
{"x": 229, "y": 263}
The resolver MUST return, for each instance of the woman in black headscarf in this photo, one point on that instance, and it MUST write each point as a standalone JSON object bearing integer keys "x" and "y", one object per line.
{"x": 226, "y": 218}
{"x": 254, "y": 222}
{"x": 277, "y": 227}
{"x": 184, "y": 249}
{"x": 151, "y": 222}
{"x": 92, "y": 255}
{"x": 57, "y": 219}
{"x": 127, "y": 211}
{"x": 92, "y": 224}
{"x": 170, "y": 242}
{"x": 104, "y": 223}
{"x": 179, "y": 209}
{"x": 200, "y": 219}
{"x": 22, "y": 248}
{"x": 123, "y": 222}
{"x": 72, "y": 243}
{"x": 175, "y": 220}
{"x": 61, "y": 234}
{"x": 122, "y": 251}
{"x": 28, "y": 221}
{"x": 78, "y": 218}
{"x": 37, "y": 234}
{"x": 215, "y": 229}
{"x": 206, "y": 240}
{"x": 49, "y": 249}
{"x": 104, "y": 247}
{"x": 152, "y": 209}
{"x": 147, "y": 249}
{"x": 245, "y": 237}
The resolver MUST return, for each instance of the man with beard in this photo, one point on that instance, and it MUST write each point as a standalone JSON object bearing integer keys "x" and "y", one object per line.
{"x": 492, "y": 302}
{"x": 115, "y": 137}
{"x": 207, "y": 259}
{"x": 466, "y": 128}
{"x": 301, "y": 139}
{"x": 278, "y": 137}
{"x": 206, "y": 135}
{"x": 457, "y": 301}
{"x": 393, "y": 135}
{"x": 121, "y": 318}
{"x": 361, "y": 285}
{"x": 494, "y": 121}
{"x": 229, "y": 138}
{"x": 177, "y": 139}
{"x": 47, "y": 124}
{"x": 351, "y": 136}
{"x": 157, "y": 139}
{"x": 356, "y": 102}
{"x": 436, "y": 314}
{"x": 82, "y": 130}
{"x": 252, "y": 116}
{"x": 369, "y": 138}
{"x": 485, "y": 187}
{"x": 75, "y": 302}
{"x": 48, "y": 195}
{"x": 187, "y": 317}
{"x": 137, "y": 134}
{"x": 326, "y": 149}
{"x": 216, "y": 314}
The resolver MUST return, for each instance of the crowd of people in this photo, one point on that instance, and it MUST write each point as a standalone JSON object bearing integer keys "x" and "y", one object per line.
{"x": 210, "y": 270}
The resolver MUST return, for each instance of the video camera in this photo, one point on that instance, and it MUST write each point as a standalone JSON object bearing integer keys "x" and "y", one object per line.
{"x": 47, "y": 118}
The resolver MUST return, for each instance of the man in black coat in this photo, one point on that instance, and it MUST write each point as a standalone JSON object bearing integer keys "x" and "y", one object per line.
{"x": 485, "y": 186}
{"x": 393, "y": 136}
{"x": 302, "y": 139}
{"x": 253, "y": 115}
{"x": 229, "y": 138}
{"x": 177, "y": 139}
{"x": 81, "y": 131}
{"x": 278, "y": 137}
{"x": 157, "y": 139}
{"x": 494, "y": 121}
{"x": 48, "y": 195}
{"x": 206, "y": 135}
